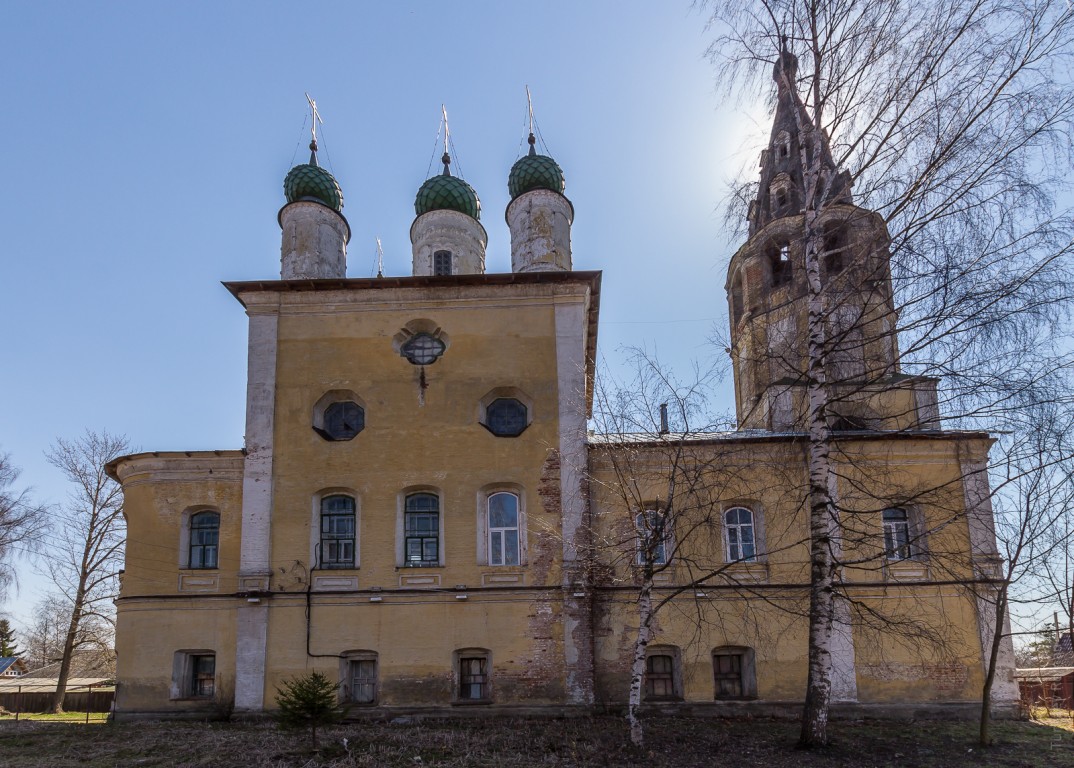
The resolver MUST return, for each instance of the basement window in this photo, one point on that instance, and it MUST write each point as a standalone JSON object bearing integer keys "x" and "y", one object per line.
{"x": 194, "y": 675}
{"x": 474, "y": 681}
{"x": 663, "y": 679}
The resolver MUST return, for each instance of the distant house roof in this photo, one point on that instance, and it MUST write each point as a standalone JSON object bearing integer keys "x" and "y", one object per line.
{"x": 84, "y": 664}
{"x": 12, "y": 663}
{"x": 1043, "y": 674}
{"x": 1064, "y": 645}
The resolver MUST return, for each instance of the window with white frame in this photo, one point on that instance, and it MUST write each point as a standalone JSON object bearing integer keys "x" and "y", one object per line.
{"x": 654, "y": 537}
{"x": 360, "y": 682}
{"x": 337, "y": 532}
{"x": 739, "y": 530}
{"x": 204, "y": 540}
{"x": 897, "y": 534}
{"x": 503, "y": 529}
{"x": 421, "y": 530}
{"x": 473, "y": 666}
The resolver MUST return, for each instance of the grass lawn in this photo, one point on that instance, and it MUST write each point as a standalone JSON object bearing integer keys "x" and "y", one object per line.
{"x": 585, "y": 742}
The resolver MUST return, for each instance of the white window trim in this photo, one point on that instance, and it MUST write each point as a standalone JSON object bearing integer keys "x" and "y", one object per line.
{"x": 759, "y": 549}
{"x": 915, "y": 529}
{"x": 484, "y": 544}
{"x": 400, "y": 526}
{"x": 315, "y": 525}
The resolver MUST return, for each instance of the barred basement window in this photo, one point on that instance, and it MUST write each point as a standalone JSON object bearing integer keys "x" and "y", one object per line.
{"x": 473, "y": 678}
{"x": 733, "y": 670}
{"x": 661, "y": 675}
{"x": 361, "y": 684}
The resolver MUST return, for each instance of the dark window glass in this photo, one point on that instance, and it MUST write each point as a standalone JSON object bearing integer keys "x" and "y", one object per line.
{"x": 780, "y": 259}
{"x": 727, "y": 668}
{"x": 422, "y": 530}
{"x": 835, "y": 240}
{"x": 202, "y": 676}
{"x": 442, "y": 263}
{"x": 343, "y": 420}
{"x": 659, "y": 677}
{"x": 423, "y": 349}
{"x": 473, "y": 678}
{"x": 506, "y": 417}
{"x": 337, "y": 532}
{"x": 204, "y": 539}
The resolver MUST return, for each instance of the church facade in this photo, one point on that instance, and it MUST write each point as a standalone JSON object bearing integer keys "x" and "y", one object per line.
{"x": 420, "y": 513}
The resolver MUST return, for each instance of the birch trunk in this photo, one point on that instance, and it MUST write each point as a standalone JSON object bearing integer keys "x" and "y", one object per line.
{"x": 637, "y": 667}
{"x": 823, "y": 512}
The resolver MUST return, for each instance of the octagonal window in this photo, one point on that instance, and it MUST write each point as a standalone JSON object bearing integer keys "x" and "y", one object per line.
{"x": 343, "y": 420}
{"x": 506, "y": 417}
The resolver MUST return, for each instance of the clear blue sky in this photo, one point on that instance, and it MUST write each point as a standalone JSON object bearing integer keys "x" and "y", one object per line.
{"x": 145, "y": 145}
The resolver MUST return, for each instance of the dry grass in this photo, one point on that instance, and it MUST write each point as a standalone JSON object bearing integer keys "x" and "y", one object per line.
{"x": 583, "y": 742}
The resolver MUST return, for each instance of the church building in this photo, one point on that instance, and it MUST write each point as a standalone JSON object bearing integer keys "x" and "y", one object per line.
{"x": 420, "y": 512}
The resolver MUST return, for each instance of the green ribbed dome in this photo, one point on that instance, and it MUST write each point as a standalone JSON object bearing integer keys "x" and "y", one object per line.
{"x": 309, "y": 180}
{"x": 535, "y": 171}
{"x": 447, "y": 193}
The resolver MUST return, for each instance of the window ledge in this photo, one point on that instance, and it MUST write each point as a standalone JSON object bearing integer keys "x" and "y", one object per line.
{"x": 743, "y": 571}
{"x": 906, "y": 570}
{"x": 471, "y": 702}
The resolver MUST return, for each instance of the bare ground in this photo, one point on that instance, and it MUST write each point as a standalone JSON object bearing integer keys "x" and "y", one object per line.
{"x": 600, "y": 741}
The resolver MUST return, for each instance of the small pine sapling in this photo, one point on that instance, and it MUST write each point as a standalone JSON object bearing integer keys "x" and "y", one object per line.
{"x": 310, "y": 701}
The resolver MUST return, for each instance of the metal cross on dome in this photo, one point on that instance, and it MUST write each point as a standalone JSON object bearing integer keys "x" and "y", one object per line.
{"x": 315, "y": 117}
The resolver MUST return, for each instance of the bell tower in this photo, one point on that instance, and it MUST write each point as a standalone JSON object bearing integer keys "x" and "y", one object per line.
{"x": 767, "y": 294}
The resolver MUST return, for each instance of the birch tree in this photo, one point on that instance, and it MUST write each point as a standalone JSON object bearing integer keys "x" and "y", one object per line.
{"x": 88, "y": 550}
{"x": 22, "y": 522}
{"x": 659, "y": 470}
{"x": 952, "y": 120}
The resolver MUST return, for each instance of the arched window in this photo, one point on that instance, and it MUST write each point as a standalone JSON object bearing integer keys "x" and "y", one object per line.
{"x": 421, "y": 525}
{"x": 442, "y": 263}
{"x": 779, "y": 260}
{"x": 736, "y": 298}
{"x": 835, "y": 243}
{"x": 654, "y": 535}
{"x": 738, "y": 524}
{"x": 204, "y": 540}
{"x": 337, "y": 532}
{"x": 896, "y": 534}
{"x": 503, "y": 525}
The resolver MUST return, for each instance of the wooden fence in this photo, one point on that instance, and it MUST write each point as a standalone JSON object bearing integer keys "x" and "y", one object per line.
{"x": 75, "y": 701}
